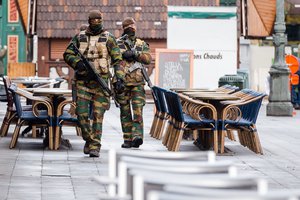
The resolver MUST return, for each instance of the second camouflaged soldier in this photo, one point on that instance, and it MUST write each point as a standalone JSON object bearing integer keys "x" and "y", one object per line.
{"x": 101, "y": 49}
{"x": 134, "y": 52}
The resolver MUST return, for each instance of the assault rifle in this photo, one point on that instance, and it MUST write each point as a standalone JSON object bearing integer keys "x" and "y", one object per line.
{"x": 91, "y": 70}
{"x": 136, "y": 65}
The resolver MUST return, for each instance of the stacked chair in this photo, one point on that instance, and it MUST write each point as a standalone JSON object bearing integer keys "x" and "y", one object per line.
{"x": 121, "y": 162}
{"x": 161, "y": 115}
{"x": 224, "y": 88}
{"x": 114, "y": 157}
{"x": 244, "y": 95}
{"x": 195, "y": 120}
{"x": 179, "y": 192}
{"x": 241, "y": 116}
{"x": 280, "y": 195}
{"x": 176, "y": 113}
{"x": 146, "y": 175}
{"x": 227, "y": 89}
{"x": 157, "y": 112}
{"x": 172, "y": 119}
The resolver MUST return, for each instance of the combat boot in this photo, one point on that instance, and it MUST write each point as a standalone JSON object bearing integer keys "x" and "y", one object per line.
{"x": 126, "y": 144}
{"x": 94, "y": 153}
{"x": 136, "y": 142}
{"x": 86, "y": 148}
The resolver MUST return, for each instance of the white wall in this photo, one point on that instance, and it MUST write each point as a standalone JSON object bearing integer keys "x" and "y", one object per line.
{"x": 214, "y": 37}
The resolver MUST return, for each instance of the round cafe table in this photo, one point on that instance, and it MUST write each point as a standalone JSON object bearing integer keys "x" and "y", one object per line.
{"x": 30, "y": 81}
{"x": 54, "y": 94}
{"x": 50, "y": 92}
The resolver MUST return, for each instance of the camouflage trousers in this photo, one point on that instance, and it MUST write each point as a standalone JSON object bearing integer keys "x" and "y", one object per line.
{"x": 132, "y": 101}
{"x": 91, "y": 106}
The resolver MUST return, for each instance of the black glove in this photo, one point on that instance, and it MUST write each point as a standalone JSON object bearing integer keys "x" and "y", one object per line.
{"x": 130, "y": 55}
{"x": 80, "y": 67}
{"x": 119, "y": 86}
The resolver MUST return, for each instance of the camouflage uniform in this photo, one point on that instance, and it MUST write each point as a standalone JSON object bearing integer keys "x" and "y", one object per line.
{"x": 132, "y": 99}
{"x": 101, "y": 49}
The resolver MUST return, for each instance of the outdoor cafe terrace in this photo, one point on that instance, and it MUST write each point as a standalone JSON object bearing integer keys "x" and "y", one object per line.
{"x": 267, "y": 151}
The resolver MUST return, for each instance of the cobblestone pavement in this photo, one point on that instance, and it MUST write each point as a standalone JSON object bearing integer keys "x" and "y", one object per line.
{"x": 31, "y": 172}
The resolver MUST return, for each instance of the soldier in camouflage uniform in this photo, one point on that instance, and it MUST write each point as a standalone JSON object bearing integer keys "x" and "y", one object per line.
{"x": 132, "y": 99}
{"x": 101, "y": 49}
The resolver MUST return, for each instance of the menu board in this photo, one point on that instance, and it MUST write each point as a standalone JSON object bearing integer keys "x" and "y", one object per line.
{"x": 174, "y": 68}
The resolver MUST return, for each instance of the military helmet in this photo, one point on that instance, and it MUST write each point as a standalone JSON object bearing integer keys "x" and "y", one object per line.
{"x": 127, "y": 21}
{"x": 95, "y": 14}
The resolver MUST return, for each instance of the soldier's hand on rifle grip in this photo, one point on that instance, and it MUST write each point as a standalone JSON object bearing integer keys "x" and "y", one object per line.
{"x": 119, "y": 86}
{"x": 80, "y": 68}
{"x": 130, "y": 55}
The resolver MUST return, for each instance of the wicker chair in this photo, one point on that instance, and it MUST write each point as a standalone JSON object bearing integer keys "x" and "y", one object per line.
{"x": 244, "y": 95}
{"x": 194, "y": 119}
{"x": 161, "y": 114}
{"x": 227, "y": 89}
{"x": 157, "y": 111}
{"x": 66, "y": 116}
{"x": 242, "y": 116}
{"x": 11, "y": 113}
{"x": 35, "y": 116}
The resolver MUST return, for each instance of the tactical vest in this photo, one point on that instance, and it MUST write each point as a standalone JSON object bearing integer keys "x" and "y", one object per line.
{"x": 94, "y": 49}
{"x": 135, "y": 77}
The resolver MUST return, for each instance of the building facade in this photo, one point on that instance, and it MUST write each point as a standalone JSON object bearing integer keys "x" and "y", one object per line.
{"x": 12, "y": 33}
{"x": 49, "y": 25}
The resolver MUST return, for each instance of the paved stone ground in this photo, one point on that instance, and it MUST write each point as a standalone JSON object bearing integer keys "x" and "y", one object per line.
{"x": 30, "y": 172}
